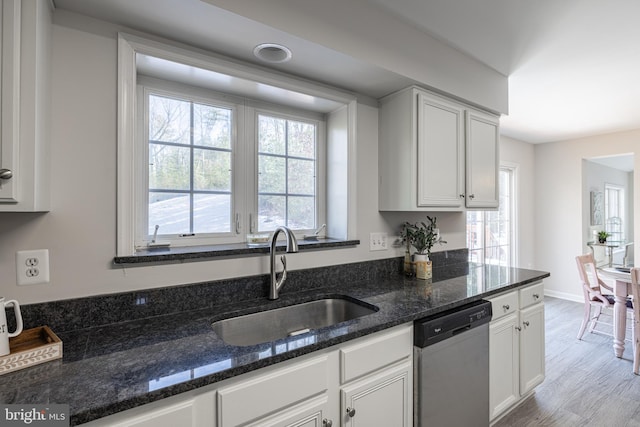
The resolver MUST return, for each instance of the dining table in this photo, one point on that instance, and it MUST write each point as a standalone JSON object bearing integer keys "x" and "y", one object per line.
{"x": 621, "y": 277}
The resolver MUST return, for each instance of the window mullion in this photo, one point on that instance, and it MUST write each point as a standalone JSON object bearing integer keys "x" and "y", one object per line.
{"x": 192, "y": 167}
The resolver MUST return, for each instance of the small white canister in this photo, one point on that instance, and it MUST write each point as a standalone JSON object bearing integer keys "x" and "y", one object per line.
{"x": 423, "y": 266}
{"x": 4, "y": 329}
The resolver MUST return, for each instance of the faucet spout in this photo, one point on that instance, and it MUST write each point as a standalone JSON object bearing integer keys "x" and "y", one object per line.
{"x": 292, "y": 247}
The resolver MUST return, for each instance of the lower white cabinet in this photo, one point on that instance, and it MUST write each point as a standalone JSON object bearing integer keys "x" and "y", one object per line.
{"x": 379, "y": 400}
{"x": 516, "y": 347}
{"x": 171, "y": 412}
{"x": 365, "y": 382}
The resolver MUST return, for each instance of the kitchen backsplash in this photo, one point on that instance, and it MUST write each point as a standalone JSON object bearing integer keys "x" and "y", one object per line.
{"x": 101, "y": 310}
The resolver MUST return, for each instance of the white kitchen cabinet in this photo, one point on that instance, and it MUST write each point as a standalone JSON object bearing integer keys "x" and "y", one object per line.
{"x": 482, "y": 160}
{"x": 516, "y": 347}
{"x": 382, "y": 399}
{"x": 273, "y": 393}
{"x": 435, "y": 154}
{"x": 183, "y": 411}
{"x": 25, "y": 105}
{"x": 531, "y": 347}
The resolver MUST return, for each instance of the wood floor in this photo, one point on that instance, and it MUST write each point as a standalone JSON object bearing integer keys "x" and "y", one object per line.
{"x": 585, "y": 385}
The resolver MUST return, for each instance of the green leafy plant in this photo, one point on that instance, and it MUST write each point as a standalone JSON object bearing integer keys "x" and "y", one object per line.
{"x": 422, "y": 236}
{"x": 602, "y": 236}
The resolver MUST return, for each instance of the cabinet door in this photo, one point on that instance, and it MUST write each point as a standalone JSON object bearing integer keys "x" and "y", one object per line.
{"x": 383, "y": 399}
{"x": 313, "y": 413}
{"x": 9, "y": 95}
{"x": 531, "y": 347}
{"x": 482, "y": 190}
{"x": 503, "y": 364}
{"x": 195, "y": 412}
{"x": 440, "y": 153}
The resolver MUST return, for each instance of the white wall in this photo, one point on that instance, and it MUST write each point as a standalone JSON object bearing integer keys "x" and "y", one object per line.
{"x": 80, "y": 230}
{"x": 521, "y": 155}
{"x": 559, "y": 204}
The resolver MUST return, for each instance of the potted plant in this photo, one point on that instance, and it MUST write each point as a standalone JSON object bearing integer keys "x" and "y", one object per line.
{"x": 423, "y": 236}
{"x": 602, "y": 236}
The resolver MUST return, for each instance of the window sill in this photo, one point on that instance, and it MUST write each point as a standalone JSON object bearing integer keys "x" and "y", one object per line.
{"x": 195, "y": 253}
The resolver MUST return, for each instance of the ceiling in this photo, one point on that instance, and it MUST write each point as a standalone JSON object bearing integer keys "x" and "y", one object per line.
{"x": 573, "y": 65}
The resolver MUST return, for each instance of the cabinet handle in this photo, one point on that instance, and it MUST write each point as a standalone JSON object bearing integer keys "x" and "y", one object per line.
{"x": 536, "y": 296}
{"x": 327, "y": 423}
{"x": 526, "y": 323}
{"x": 351, "y": 412}
{"x": 471, "y": 196}
{"x": 506, "y": 307}
{"x": 518, "y": 328}
{"x": 6, "y": 174}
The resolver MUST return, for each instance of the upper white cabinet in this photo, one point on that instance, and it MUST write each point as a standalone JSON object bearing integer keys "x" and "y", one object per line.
{"x": 483, "y": 164}
{"x": 436, "y": 154}
{"x": 25, "y": 59}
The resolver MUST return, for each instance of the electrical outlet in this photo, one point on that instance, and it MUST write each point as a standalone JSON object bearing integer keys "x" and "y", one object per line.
{"x": 378, "y": 242}
{"x": 32, "y": 267}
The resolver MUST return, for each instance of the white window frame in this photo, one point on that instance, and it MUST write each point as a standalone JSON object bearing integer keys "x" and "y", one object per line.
{"x": 621, "y": 207}
{"x": 513, "y": 251}
{"x": 321, "y": 145}
{"x": 340, "y": 205}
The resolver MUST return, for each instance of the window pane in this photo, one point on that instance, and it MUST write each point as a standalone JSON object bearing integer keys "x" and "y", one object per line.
{"x": 301, "y": 140}
{"x": 211, "y": 126}
{"x": 169, "y": 167}
{"x": 301, "y": 213}
{"x": 302, "y": 177}
{"x": 211, "y": 170}
{"x": 170, "y": 211}
{"x": 211, "y": 213}
{"x": 272, "y": 174}
{"x": 271, "y": 135}
{"x": 169, "y": 120}
{"x": 271, "y": 212}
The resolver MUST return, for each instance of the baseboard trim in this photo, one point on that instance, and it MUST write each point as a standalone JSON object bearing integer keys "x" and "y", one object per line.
{"x": 564, "y": 295}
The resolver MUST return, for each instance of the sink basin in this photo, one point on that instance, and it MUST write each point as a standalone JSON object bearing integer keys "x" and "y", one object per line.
{"x": 287, "y": 321}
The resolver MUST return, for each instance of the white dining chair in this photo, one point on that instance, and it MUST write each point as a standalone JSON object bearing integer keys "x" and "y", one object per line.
{"x": 597, "y": 295}
{"x": 635, "y": 291}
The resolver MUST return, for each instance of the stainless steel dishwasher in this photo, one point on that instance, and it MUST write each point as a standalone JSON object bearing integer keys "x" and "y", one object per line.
{"x": 451, "y": 377}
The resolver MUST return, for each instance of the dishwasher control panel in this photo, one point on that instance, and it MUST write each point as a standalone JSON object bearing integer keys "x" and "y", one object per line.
{"x": 438, "y": 327}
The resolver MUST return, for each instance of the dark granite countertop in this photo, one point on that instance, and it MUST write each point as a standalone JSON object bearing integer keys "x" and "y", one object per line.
{"x": 113, "y": 368}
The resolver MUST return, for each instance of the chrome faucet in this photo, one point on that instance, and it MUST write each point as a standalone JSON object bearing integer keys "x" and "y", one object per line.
{"x": 292, "y": 246}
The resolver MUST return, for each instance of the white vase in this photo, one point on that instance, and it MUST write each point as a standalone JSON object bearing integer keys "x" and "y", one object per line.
{"x": 423, "y": 266}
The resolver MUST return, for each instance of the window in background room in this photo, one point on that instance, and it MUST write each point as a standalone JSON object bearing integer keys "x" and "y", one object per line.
{"x": 614, "y": 212}
{"x": 490, "y": 234}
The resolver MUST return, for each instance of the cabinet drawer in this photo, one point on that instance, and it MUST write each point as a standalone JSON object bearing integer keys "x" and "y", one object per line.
{"x": 266, "y": 394}
{"x": 504, "y": 304}
{"x": 360, "y": 359}
{"x": 531, "y": 295}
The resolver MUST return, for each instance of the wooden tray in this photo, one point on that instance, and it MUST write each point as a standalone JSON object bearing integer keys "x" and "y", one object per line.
{"x": 31, "y": 347}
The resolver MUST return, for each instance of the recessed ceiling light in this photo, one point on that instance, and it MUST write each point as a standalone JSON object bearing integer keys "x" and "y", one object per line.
{"x": 272, "y": 52}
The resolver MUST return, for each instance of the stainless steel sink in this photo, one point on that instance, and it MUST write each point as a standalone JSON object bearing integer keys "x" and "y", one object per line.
{"x": 292, "y": 320}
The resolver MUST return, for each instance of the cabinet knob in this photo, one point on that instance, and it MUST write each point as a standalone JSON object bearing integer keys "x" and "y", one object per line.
{"x": 536, "y": 296}
{"x": 471, "y": 196}
{"x": 462, "y": 196}
{"x": 6, "y": 174}
{"x": 525, "y": 323}
{"x": 351, "y": 412}
{"x": 327, "y": 423}
{"x": 506, "y": 307}
{"x": 518, "y": 328}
